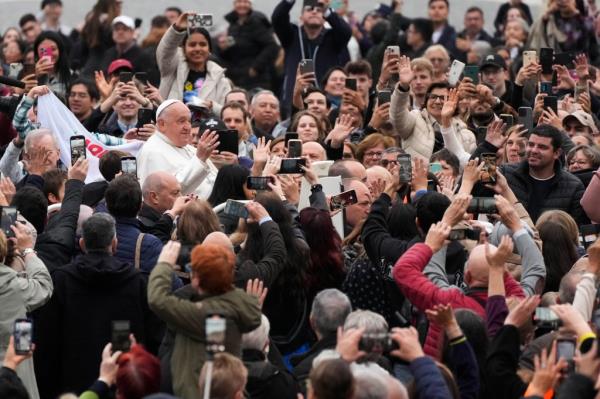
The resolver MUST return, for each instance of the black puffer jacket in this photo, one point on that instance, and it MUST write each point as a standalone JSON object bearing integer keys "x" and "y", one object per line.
{"x": 565, "y": 194}
{"x": 254, "y": 47}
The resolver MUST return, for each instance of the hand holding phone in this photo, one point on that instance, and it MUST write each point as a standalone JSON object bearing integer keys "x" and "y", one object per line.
{"x": 77, "y": 148}
{"x": 120, "y": 335}
{"x": 23, "y": 336}
{"x": 343, "y": 200}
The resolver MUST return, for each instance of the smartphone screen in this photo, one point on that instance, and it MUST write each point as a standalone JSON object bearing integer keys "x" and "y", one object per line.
{"x": 120, "y": 335}
{"x": 351, "y": 84}
{"x": 258, "y": 182}
{"x": 77, "y": 148}
{"x": 215, "y": 328}
{"x": 565, "y": 348}
{"x": 228, "y": 141}
{"x": 294, "y": 149}
{"x": 129, "y": 165}
{"x": 551, "y": 102}
{"x": 508, "y": 119}
{"x": 488, "y": 174}
{"x": 8, "y": 218}
{"x": 235, "y": 208}
{"x": 23, "y": 336}
{"x": 405, "y": 165}
{"x": 292, "y": 165}
{"x": 546, "y": 87}
{"x": 343, "y": 200}
{"x": 546, "y": 60}
{"x": 384, "y": 97}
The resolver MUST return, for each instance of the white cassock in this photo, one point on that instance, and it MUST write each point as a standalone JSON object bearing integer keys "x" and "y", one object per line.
{"x": 160, "y": 154}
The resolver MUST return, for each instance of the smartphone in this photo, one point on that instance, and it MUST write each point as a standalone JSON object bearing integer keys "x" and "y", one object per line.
{"x": 456, "y": 70}
{"x": 580, "y": 89}
{"x": 472, "y": 72}
{"x": 351, "y": 84}
{"x": 120, "y": 335}
{"x": 567, "y": 59}
{"x": 129, "y": 165}
{"x": 14, "y": 69}
{"x": 46, "y": 52}
{"x": 393, "y": 50}
{"x": 435, "y": 167}
{"x": 546, "y": 87}
{"x": 292, "y": 165}
{"x": 258, "y": 182}
{"x": 546, "y": 60}
{"x": 488, "y": 174}
{"x": 77, "y": 148}
{"x": 589, "y": 234}
{"x": 235, "y": 208}
{"x": 294, "y": 148}
{"x": 228, "y": 141}
{"x": 526, "y": 118}
{"x": 552, "y": 103}
{"x": 215, "y": 328}
{"x": 508, "y": 119}
{"x": 125, "y": 77}
{"x": 431, "y": 185}
{"x": 405, "y": 168}
{"x": 141, "y": 77}
{"x": 384, "y": 97}
{"x": 546, "y": 318}
{"x": 486, "y": 205}
{"x": 290, "y": 136}
{"x": 42, "y": 79}
{"x": 199, "y": 21}
{"x": 464, "y": 234}
{"x": 307, "y": 66}
{"x": 343, "y": 200}
{"x": 145, "y": 117}
{"x": 565, "y": 348}
{"x": 480, "y": 133}
{"x": 8, "y": 218}
{"x": 23, "y": 336}
{"x": 529, "y": 57}
{"x": 28, "y": 69}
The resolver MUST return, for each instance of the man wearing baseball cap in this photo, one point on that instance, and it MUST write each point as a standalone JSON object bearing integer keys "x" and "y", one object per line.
{"x": 126, "y": 48}
{"x": 580, "y": 122}
{"x": 493, "y": 73}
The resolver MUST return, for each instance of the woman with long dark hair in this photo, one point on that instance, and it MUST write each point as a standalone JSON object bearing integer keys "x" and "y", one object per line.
{"x": 326, "y": 268}
{"x": 230, "y": 183}
{"x": 52, "y": 59}
{"x": 96, "y": 36}
{"x": 286, "y": 305}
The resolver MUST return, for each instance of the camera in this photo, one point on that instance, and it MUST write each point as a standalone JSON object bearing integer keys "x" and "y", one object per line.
{"x": 377, "y": 343}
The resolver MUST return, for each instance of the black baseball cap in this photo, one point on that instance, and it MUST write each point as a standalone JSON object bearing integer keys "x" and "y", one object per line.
{"x": 493, "y": 60}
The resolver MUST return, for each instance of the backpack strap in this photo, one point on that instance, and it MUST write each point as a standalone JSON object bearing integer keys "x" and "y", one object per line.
{"x": 138, "y": 251}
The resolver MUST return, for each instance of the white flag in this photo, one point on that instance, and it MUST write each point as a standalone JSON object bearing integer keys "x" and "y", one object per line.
{"x": 54, "y": 115}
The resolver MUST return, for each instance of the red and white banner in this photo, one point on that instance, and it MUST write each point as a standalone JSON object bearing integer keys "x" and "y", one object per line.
{"x": 54, "y": 115}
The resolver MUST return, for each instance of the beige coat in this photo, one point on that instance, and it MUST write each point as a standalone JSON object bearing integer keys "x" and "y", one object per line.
{"x": 545, "y": 33}
{"x": 415, "y": 128}
{"x": 174, "y": 71}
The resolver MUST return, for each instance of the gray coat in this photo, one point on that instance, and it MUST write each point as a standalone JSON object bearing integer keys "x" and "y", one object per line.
{"x": 21, "y": 293}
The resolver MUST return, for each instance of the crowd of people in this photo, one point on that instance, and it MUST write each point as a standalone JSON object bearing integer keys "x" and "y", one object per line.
{"x": 348, "y": 206}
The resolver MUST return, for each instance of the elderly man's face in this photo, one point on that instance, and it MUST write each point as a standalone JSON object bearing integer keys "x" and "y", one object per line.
{"x": 175, "y": 123}
{"x": 44, "y": 150}
{"x": 313, "y": 151}
{"x": 166, "y": 196}
{"x": 265, "y": 110}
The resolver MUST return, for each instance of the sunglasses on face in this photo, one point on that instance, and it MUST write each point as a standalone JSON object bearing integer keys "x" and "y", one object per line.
{"x": 313, "y": 8}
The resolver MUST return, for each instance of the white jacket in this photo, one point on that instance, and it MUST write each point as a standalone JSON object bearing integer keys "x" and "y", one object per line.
{"x": 160, "y": 154}
{"x": 174, "y": 71}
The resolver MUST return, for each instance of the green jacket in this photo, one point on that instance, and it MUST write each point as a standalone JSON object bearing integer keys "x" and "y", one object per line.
{"x": 187, "y": 319}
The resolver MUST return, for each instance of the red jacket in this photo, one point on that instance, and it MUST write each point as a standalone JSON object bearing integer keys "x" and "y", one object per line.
{"x": 423, "y": 294}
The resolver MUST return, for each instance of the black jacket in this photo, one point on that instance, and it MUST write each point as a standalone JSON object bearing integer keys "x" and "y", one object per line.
{"x": 327, "y": 50}
{"x": 141, "y": 60}
{"x": 303, "y": 363}
{"x": 152, "y": 222}
{"x": 91, "y": 292}
{"x": 502, "y": 364}
{"x": 265, "y": 380}
{"x": 93, "y": 193}
{"x": 254, "y": 47}
{"x": 565, "y": 194}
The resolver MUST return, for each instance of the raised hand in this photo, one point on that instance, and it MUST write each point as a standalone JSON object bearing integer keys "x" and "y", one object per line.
{"x": 341, "y": 130}
{"x": 521, "y": 314}
{"x": 495, "y": 133}
{"x": 565, "y": 81}
{"x": 109, "y": 366}
{"x": 257, "y": 289}
{"x": 170, "y": 253}
{"x": 209, "y": 142}
{"x": 547, "y": 372}
{"x": 437, "y": 234}
{"x": 457, "y": 209}
{"x": 79, "y": 170}
{"x": 347, "y": 344}
{"x": 408, "y": 341}
{"x": 261, "y": 152}
{"x": 449, "y": 107}
{"x": 582, "y": 67}
{"x": 498, "y": 258}
{"x": 255, "y": 212}
{"x": 405, "y": 72}
{"x": 181, "y": 23}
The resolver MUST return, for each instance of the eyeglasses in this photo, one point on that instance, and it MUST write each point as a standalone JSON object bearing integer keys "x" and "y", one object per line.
{"x": 313, "y": 8}
{"x": 386, "y": 162}
{"x": 434, "y": 97}
{"x": 373, "y": 154}
{"x": 579, "y": 162}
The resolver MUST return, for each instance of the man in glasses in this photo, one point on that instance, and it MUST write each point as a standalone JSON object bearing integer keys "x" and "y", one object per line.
{"x": 312, "y": 40}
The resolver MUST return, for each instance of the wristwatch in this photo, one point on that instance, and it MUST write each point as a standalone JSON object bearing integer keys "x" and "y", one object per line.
{"x": 315, "y": 188}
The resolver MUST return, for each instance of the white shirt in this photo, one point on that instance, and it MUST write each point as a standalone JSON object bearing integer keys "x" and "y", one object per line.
{"x": 160, "y": 154}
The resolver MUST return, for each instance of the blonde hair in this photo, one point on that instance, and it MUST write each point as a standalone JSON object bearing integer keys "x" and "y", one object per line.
{"x": 229, "y": 376}
{"x": 421, "y": 64}
{"x": 437, "y": 47}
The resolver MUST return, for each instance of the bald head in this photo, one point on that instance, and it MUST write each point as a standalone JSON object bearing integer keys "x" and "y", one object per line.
{"x": 314, "y": 151}
{"x": 359, "y": 211}
{"x": 218, "y": 238}
{"x": 477, "y": 269}
{"x": 160, "y": 190}
{"x": 376, "y": 173}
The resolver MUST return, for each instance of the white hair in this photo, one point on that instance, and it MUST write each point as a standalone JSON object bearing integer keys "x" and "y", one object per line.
{"x": 36, "y": 135}
{"x": 437, "y": 47}
{"x": 262, "y": 93}
{"x": 370, "y": 384}
{"x": 372, "y": 322}
{"x": 259, "y": 337}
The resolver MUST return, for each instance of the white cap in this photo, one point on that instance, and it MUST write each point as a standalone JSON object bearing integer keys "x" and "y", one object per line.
{"x": 164, "y": 105}
{"x": 125, "y": 20}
